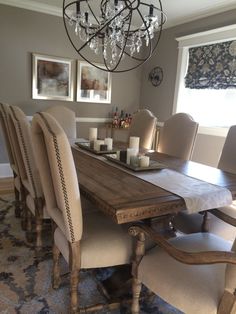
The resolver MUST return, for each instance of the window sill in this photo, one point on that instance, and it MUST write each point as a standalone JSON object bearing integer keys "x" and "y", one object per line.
{"x": 215, "y": 131}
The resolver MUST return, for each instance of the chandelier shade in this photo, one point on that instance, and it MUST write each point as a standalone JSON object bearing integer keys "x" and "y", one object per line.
{"x": 114, "y": 35}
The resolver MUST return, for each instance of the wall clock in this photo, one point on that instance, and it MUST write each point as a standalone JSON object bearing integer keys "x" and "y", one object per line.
{"x": 156, "y": 76}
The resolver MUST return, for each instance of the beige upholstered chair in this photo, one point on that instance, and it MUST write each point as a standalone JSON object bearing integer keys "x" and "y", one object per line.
{"x": 89, "y": 242}
{"x": 66, "y": 119}
{"x": 31, "y": 181}
{"x": 177, "y": 136}
{"x": 195, "y": 222}
{"x": 189, "y": 272}
{"x": 18, "y": 187}
{"x": 143, "y": 125}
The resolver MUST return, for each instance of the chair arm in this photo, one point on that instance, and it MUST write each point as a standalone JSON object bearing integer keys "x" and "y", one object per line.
{"x": 226, "y": 218}
{"x": 192, "y": 258}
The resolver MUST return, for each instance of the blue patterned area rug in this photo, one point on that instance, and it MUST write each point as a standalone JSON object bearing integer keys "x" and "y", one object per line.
{"x": 25, "y": 280}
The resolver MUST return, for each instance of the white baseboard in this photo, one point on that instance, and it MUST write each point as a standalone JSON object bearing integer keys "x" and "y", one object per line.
{"x": 5, "y": 171}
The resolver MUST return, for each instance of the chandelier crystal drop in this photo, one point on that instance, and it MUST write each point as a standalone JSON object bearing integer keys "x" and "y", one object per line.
{"x": 119, "y": 34}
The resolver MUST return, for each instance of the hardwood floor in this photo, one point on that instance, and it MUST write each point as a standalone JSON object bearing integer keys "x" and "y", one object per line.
{"x": 6, "y": 185}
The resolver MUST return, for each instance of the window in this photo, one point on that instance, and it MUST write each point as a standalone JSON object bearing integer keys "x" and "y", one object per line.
{"x": 210, "y": 107}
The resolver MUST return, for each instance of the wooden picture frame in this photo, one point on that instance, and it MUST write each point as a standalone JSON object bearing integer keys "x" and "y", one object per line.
{"x": 93, "y": 84}
{"x": 52, "y": 77}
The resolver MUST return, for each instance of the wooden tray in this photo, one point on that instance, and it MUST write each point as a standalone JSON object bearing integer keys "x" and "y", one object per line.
{"x": 154, "y": 165}
{"x": 86, "y": 146}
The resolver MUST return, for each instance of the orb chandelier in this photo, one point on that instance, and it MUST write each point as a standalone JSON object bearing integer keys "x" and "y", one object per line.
{"x": 119, "y": 34}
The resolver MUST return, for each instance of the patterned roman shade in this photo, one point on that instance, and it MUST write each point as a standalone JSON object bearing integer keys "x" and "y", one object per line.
{"x": 212, "y": 66}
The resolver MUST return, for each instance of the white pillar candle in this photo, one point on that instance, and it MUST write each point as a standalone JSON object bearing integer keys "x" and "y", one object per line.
{"x": 93, "y": 134}
{"x": 108, "y": 141}
{"x": 97, "y": 144}
{"x": 144, "y": 161}
{"x": 134, "y": 142}
{"x": 131, "y": 152}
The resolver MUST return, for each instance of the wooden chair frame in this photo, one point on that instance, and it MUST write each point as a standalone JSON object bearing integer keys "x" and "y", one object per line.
{"x": 140, "y": 231}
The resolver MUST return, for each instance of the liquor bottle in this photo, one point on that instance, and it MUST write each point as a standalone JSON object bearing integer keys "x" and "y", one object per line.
{"x": 126, "y": 124}
{"x": 130, "y": 119}
{"x": 122, "y": 120}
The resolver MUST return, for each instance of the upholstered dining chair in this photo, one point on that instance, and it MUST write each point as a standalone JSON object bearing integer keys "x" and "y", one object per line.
{"x": 189, "y": 272}
{"x": 31, "y": 181}
{"x": 143, "y": 125}
{"x": 177, "y": 136}
{"x": 207, "y": 222}
{"x": 18, "y": 187}
{"x": 66, "y": 119}
{"x": 84, "y": 242}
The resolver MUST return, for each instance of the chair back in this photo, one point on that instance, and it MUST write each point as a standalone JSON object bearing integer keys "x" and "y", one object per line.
{"x": 177, "y": 136}
{"x": 143, "y": 125}
{"x": 58, "y": 175}
{"x": 23, "y": 132}
{"x": 66, "y": 119}
{"x": 16, "y": 152}
{"x": 227, "y": 160}
{"x": 5, "y": 130}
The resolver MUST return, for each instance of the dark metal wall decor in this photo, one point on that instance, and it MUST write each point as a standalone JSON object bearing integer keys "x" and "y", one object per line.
{"x": 113, "y": 32}
{"x": 156, "y": 76}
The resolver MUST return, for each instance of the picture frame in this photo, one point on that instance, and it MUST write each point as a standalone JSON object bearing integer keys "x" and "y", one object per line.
{"x": 93, "y": 84}
{"x": 52, "y": 77}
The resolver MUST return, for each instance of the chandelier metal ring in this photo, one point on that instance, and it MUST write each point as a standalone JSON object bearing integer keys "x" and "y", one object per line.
{"x": 114, "y": 32}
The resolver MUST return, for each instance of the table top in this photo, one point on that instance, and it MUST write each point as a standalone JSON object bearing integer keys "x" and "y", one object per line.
{"x": 126, "y": 198}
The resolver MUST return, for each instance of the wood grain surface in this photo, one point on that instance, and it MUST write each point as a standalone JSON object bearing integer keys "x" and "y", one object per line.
{"x": 127, "y": 198}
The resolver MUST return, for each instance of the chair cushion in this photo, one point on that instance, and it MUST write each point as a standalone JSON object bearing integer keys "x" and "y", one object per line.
{"x": 194, "y": 289}
{"x": 103, "y": 244}
{"x": 192, "y": 223}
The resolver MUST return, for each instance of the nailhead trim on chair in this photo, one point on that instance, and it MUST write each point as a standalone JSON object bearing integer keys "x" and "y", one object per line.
{"x": 60, "y": 167}
{"x": 25, "y": 151}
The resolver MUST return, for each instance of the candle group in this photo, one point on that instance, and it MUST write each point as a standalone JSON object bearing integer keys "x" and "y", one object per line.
{"x": 134, "y": 142}
{"x": 97, "y": 144}
{"x": 109, "y": 142}
{"x": 93, "y": 134}
{"x": 131, "y": 152}
{"x": 144, "y": 161}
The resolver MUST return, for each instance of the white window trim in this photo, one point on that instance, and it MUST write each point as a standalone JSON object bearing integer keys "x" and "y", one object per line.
{"x": 221, "y": 34}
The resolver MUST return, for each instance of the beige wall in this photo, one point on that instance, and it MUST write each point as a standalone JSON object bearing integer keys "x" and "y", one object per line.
{"x": 23, "y": 32}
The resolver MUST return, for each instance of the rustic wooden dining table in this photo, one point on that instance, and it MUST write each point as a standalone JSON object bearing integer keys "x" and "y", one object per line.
{"x": 127, "y": 198}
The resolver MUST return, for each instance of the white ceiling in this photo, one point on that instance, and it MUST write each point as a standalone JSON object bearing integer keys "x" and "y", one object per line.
{"x": 177, "y": 11}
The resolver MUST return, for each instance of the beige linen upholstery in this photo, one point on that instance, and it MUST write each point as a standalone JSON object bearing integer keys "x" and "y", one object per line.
{"x": 85, "y": 242}
{"x": 66, "y": 118}
{"x": 143, "y": 125}
{"x": 193, "y": 223}
{"x": 31, "y": 181}
{"x": 206, "y": 285}
{"x": 4, "y": 112}
{"x": 177, "y": 136}
{"x": 193, "y": 289}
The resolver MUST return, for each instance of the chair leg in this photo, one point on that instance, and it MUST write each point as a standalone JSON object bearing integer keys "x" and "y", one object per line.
{"x": 136, "y": 289}
{"x": 205, "y": 223}
{"x": 74, "y": 264}
{"x": 39, "y": 227}
{"x": 74, "y": 281}
{"x": 17, "y": 203}
{"x": 56, "y": 280}
{"x": 24, "y": 209}
{"x": 29, "y": 233}
{"x": 39, "y": 222}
